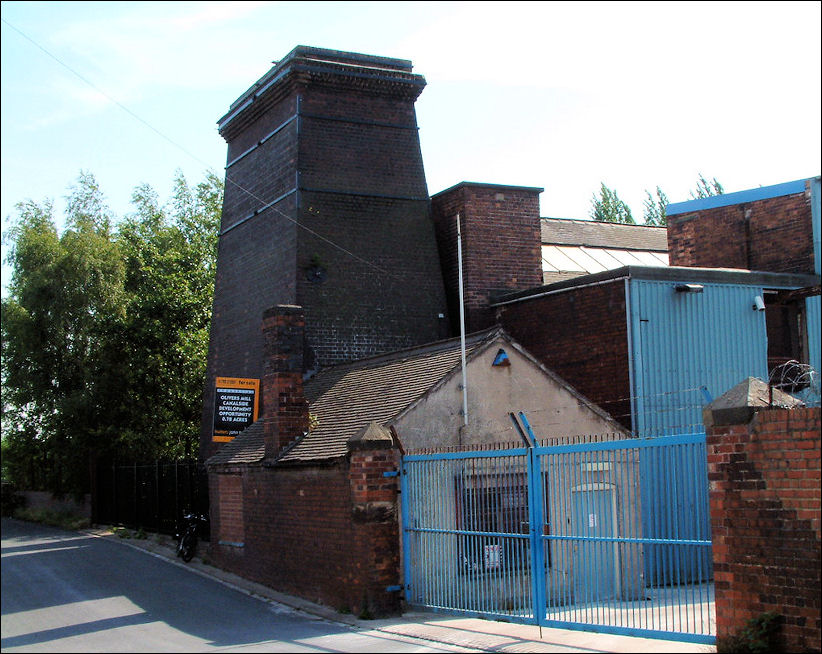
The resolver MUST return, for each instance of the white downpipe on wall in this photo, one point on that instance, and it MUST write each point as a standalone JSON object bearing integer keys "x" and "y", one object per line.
{"x": 462, "y": 328}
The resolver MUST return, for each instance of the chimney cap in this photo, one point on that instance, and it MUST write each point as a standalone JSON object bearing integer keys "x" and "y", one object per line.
{"x": 372, "y": 436}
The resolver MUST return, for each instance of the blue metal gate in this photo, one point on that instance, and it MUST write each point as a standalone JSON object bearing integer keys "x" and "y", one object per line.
{"x": 607, "y": 536}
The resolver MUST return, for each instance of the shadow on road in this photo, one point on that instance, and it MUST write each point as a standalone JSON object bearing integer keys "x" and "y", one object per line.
{"x": 91, "y": 585}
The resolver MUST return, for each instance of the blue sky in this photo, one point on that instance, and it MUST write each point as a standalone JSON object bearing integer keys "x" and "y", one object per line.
{"x": 557, "y": 95}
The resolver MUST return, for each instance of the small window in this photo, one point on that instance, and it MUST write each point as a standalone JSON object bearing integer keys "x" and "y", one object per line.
{"x": 490, "y": 508}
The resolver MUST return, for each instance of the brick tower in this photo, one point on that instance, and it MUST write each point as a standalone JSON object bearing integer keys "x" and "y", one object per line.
{"x": 501, "y": 245}
{"x": 326, "y": 207}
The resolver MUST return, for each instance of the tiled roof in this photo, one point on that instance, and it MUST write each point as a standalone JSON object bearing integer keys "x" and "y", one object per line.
{"x": 247, "y": 447}
{"x": 591, "y": 233}
{"x": 344, "y": 399}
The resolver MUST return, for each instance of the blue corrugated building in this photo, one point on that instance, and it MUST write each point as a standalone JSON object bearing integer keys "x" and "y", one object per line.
{"x": 653, "y": 345}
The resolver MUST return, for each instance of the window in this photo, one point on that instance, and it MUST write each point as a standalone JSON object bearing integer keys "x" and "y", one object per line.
{"x": 491, "y": 508}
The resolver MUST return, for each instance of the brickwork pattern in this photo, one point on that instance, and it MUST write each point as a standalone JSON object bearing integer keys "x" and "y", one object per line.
{"x": 284, "y": 407}
{"x": 328, "y": 534}
{"x": 773, "y": 234}
{"x": 582, "y": 335}
{"x": 361, "y": 143}
{"x": 230, "y": 507}
{"x": 388, "y": 296}
{"x": 376, "y": 526}
{"x": 765, "y": 519}
{"x": 500, "y": 228}
{"x": 347, "y": 150}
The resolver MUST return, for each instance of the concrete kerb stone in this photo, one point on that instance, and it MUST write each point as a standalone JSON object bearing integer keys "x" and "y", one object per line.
{"x": 469, "y": 633}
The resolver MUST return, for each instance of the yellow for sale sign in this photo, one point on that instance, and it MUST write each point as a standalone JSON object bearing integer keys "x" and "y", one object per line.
{"x": 236, "y": 403}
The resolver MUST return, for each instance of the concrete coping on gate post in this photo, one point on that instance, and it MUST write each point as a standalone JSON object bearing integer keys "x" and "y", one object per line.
{"x": 373, "y": 436}
{"x": 741, "y": 403}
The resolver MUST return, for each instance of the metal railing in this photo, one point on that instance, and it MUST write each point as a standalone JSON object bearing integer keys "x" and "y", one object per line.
{"x": 150, "y": 496}
{"x": 607, "y": 536}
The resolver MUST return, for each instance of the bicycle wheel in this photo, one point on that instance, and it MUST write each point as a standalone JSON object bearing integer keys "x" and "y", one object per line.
{"x": 187, "y": 546}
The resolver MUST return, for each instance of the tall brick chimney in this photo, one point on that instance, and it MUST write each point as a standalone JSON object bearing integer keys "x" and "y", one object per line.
{"x": 501, "y": 245}
{"x": 285, "y": 409}
{"x": 326, "y": 207}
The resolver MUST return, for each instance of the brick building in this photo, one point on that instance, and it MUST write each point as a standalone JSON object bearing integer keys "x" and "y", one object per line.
{"x": 329, "y": 237}
{"x": 298, "y": 499}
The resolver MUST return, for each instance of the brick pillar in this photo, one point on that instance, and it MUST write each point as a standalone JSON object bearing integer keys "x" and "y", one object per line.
{"x": 501, "y": 245}
{"x": 375, "y": 514}
{"x": 285, "y": 409}
{"x": 764, "y": 475}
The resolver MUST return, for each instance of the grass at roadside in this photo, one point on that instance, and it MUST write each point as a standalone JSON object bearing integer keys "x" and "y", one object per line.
{"x": 62, "y": 519}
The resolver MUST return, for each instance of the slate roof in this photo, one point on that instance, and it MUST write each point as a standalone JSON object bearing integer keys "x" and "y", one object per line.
{"x": 571, "y": 248}
{"x": 344, "y": 399}
{"x": 591, "y": 233}
{"x": 247, "y": 447}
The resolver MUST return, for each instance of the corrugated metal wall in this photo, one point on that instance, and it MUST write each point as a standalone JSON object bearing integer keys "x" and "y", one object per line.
{"x": 812, "y": 309}
{"x": 683, "y": 341}
{"x": 812, "y": 304}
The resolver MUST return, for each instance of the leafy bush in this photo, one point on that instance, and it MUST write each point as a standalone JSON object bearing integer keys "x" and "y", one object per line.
{"x": 759, "y": 636}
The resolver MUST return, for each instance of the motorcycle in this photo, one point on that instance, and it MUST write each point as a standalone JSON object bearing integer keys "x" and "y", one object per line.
{"x": 187, "y": 536}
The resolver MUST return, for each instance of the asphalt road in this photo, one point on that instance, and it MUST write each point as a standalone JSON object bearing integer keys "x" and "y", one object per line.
{"x": 71, "y": 592}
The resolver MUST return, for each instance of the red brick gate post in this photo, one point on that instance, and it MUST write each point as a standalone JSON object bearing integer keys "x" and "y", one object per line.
{"x": 764, "y": 475}
{"x": 375, "y": 513}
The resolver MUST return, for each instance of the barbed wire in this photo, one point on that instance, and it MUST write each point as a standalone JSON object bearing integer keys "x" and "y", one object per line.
{"x": 798, "y": 379}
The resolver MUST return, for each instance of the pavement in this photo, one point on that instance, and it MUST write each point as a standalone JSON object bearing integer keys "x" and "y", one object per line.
{"x": 440, "y": 629}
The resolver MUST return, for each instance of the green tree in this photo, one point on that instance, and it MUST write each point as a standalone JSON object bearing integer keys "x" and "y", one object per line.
{"x": 62, "y": 287}
{"x": 655, "y": 208}
{"x": 104, "y": 331}
{"x": 705, "y": 189}
{"x": 170, "y": 257}
{"x": 609, "y": 208}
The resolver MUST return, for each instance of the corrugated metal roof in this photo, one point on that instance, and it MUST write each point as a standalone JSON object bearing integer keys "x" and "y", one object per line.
{"x": 564, "y": 262}
{"x": 571, "y": 248}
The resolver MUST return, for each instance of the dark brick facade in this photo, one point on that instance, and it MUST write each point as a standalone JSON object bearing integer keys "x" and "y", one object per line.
{"x": 773, "y": 234}
{"x": 327, "y": 532}
{"x": 765, "y": 521}
{"x": 317, "y": 532}
{"x": 500, "y": 228}
{"x": 582, "y": 335}
{"x": 325, "y": 207}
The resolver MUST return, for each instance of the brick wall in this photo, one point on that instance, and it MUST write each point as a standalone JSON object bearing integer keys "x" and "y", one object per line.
{"x": 230, "y": 509}
{"x": 765, "y": 519}
{"x": 501, "y": 245}
{"x": 773, "y": 234}
{"x": 327, "y": 533}
{"x": 582, "y": 335}
{"x": 375, "y": 514}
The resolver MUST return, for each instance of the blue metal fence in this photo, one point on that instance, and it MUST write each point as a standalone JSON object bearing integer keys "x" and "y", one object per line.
{"x": 576, "y": 536}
